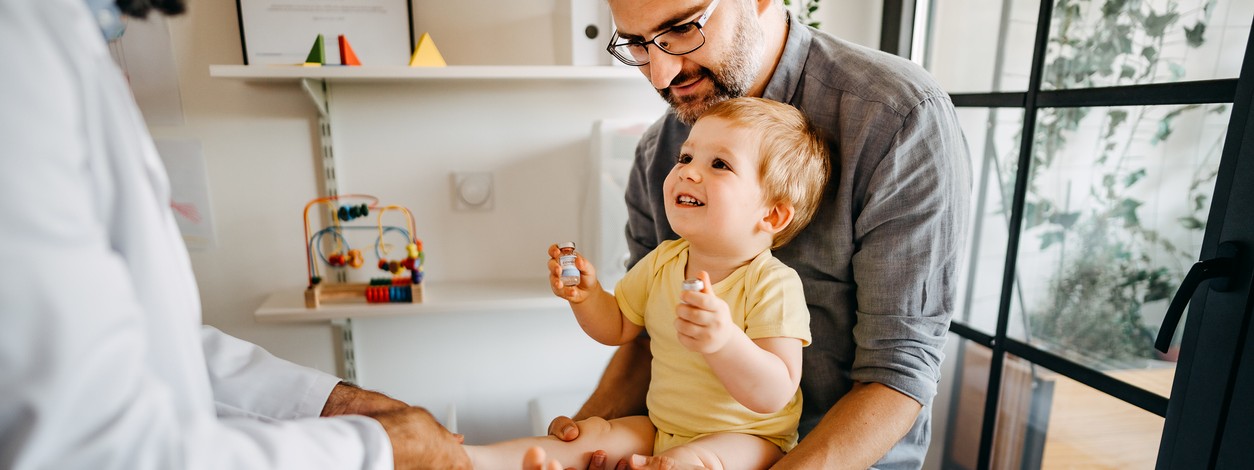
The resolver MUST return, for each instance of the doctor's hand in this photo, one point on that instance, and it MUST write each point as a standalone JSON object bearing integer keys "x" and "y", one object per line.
{"x": 348, "y": 399}
{"x": 703, "y": 320}
{"x": 419, "y": 442}
{"x": 587, "y": 277}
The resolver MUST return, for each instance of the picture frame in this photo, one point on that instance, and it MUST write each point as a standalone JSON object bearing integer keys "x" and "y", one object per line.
{"x": 283, "y": 32}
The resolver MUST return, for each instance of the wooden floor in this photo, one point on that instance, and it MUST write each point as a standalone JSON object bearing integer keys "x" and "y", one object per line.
{"x": 1091, "y": 430}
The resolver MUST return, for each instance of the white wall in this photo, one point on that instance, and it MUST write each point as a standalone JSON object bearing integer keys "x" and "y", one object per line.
{"x": 260, "y": 144}
{"x": 399, "y": 142}
{"x": 857, "y": 21}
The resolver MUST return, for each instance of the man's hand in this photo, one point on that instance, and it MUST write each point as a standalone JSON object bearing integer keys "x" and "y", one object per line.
{"x": 703, "y": 320}
{"x": 348, "y": 399}
{"x": 419, "y": 442}
{"x": 587, "y": 277}
{"x": 566, "y": 429}
{"x": 563, "y": 428}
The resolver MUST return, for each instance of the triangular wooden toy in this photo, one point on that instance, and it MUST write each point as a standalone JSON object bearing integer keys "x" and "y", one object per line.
{"x": 426, "y": 54}
{"x": 317, "y": 55}
{"x": 347, "y": 57}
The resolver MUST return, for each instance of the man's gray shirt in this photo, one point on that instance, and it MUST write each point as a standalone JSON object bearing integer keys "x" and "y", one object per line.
{"x": 878, "y": 261}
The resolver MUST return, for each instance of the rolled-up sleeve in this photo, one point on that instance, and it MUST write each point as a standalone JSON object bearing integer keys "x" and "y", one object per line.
{"x": 909, "y": 236}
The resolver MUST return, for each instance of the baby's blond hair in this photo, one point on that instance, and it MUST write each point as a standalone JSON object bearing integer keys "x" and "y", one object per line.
{"x": 795, "y": 165}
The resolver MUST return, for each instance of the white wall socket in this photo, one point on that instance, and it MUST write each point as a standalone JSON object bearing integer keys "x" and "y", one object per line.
{"x": 472, "y": 190}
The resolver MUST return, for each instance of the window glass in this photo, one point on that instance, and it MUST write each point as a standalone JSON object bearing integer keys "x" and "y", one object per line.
{"x": 993, "y": 138}
{"x": 1097, "y": 44}
{"x": 1114, "y": 216}
{"x": 981, "y": 46}
{"x": 958, "y": 409}
{"x": 1086, "y": 429}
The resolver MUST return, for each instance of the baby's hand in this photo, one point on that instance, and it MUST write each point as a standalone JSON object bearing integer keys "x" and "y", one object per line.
{"x": 703, "y": 320}
{"x": 587, "y": 277}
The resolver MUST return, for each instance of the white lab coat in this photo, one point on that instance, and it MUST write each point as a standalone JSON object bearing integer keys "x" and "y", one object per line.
{"x": 103, "y": 360}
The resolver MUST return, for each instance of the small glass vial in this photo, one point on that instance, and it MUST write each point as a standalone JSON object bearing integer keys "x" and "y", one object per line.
{"x": 570, "y": 274}
{"x": 693, "y": 284}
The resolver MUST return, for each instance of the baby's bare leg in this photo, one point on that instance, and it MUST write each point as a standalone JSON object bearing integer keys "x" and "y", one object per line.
{"x": 619, "y": 438}
{"x": 727, "y": 451}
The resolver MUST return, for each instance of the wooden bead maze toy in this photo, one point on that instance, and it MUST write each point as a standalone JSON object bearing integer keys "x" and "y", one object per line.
{"x": 403, "y": 282}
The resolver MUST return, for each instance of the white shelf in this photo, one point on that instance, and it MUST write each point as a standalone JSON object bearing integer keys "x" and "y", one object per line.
{"x": 401, "y": 73}
{"x": 438, "y": 297}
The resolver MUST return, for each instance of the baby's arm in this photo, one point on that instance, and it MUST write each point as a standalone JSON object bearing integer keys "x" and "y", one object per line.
{"x": 760, "y": 374}
{"x": 595, "y": 309}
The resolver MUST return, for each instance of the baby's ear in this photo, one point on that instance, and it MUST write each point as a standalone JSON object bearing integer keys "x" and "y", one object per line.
{"x": 777, "y": 218}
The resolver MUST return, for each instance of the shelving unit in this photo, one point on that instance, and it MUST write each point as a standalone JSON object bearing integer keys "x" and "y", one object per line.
{"x": 439, "y": 297}
{"x": 288, "y": 306}
{"x": 395, "y": 73}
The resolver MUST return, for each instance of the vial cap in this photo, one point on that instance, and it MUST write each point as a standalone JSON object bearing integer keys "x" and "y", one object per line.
{"x": 693, "y": 284}
{"x": 570, "y": 245}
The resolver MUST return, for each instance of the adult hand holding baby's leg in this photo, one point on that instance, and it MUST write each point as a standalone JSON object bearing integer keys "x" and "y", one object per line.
{"x": 565, "y": 428}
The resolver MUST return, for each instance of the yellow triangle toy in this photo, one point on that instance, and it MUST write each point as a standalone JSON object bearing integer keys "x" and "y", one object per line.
{"x": 426, "y": 54}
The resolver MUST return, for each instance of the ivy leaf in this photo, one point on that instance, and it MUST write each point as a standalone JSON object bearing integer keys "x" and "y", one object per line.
{"x": 1159, "y": 286}
{"x": 1034, "y": 213}
{"x": 1128, "y": 72}
{"x": 1133, "y": 178}
{"x": 1050, "y": 238}
{"x": 1199, "y": 202}
{"x": 1117, "y": 118}
{"x": 1164, "y": 131}
{"x": 1192, "y": 223}
{"x": 1113, "y": 7}
{"x": 1150, "y": 53}
{"x": 1195, "y": 35}
{"x": 1123, "y": 38}
{"x": 1177, "y": 72}
{"x": 1066, "y": 219}
{"x": 1156, "y": 25}
{"x": 1126, "y": 210}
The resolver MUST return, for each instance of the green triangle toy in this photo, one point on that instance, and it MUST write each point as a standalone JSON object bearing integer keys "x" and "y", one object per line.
{"x": 317, "y": 55}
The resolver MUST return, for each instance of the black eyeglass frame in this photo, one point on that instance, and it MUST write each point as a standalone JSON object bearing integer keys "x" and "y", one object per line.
{"x": 699, "y": 23}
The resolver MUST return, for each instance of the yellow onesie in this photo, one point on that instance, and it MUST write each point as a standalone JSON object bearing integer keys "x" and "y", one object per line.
{"x": 685, "y": 399}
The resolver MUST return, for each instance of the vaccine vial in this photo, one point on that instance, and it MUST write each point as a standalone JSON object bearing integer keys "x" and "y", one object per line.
{"x": 570, "y": 274}
{"x": 693, "y": 284}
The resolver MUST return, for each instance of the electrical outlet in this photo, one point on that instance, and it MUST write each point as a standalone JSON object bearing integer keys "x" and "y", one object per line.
{"x": 472, "y": 190}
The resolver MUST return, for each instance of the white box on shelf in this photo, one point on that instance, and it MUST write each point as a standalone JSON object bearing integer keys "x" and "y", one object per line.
{"x": 582, "y": 29}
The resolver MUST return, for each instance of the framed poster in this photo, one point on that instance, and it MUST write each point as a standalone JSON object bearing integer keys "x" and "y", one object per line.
{"x": 284, "y": 31}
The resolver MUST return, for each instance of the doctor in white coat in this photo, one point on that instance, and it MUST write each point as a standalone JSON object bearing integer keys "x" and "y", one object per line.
{"x": 103, "y": 360}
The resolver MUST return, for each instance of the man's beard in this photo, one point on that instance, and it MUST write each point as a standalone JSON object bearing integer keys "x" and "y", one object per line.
{"x": 732, "y": 79}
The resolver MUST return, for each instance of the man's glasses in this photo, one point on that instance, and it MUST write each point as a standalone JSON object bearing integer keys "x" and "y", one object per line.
{"x": 676, "y": 40}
